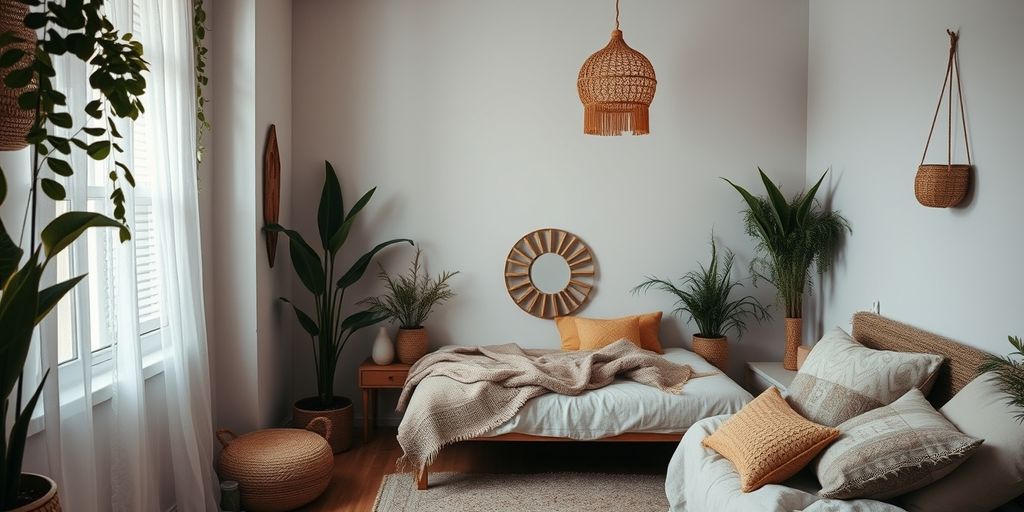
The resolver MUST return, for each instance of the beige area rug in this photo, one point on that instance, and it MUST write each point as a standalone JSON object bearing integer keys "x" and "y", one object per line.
{"x": 543, "y": 492}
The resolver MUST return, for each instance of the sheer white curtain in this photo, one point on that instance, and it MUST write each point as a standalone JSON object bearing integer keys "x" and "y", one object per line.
{"x": 167, "y": 37}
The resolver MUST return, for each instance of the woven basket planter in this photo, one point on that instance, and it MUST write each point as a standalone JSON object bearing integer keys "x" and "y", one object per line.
{"x": 794, "y": 338}
{"x": 15, "y": 122}
{"x": 412, "y": 344}
{"x": 713, "y": 350}
{"x": 942, "y": 185}
{"x": 277, "y": 469}
{"x": 42, "y": 486}
{"x": 340, "y": 438}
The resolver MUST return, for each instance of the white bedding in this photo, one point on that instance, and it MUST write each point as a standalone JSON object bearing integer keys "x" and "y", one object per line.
{"x": 699, "y": 480}
{"x": 627, "y": 406}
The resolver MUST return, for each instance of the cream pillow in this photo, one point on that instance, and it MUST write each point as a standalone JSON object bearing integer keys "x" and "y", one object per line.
{"x": 767, "y": 441}
{"x": 992, "y": 476}
{"x": 892, "y": 450}
{"x": 842, "y": 378}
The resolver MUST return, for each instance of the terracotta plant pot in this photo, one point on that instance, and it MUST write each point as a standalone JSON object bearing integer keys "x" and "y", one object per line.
{"x": 43, "y": 487}
{"x": 411, "y": 344}
{"x": 794, "y": 338}
{"x": 714, "y": 350}
{"x": 15, "y": 123}
{"x": 340, "y": 414}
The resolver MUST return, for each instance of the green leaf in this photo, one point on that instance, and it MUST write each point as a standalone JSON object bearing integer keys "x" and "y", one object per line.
{"x": 59, "y": 166}
{"x": 10, "y": 256}
{"x": 779, "y": 205}
{"x": 53, "y": 190}
{"x": 355, "y": 273}
{"x": 305, "y": 321}
{"x": 17, "y": 320}
{"x": 805, "y": 207}
{"x": 305, "y": 261}
{"x": 94, "y": 108}
{"x": 11, "y": 57}
{"x": 35, "y": 20}
{"x": 3, "y": 186}
{"x": 362, "y": 319}
{"x": 95, "y": 132}
{"x": 331, "y": 213}
{"x": 60, "y": 144}
{"x": 339, "y": 238}
{"x": 99, "y": 150}
{"x": 752, "y": 204}
{"x": 64, "y": 230}
{"x": 19, "y": 435}
{"x": 61, "y": 119}
{"x": 49, "y": 297}
{"x": 18, "y": 78}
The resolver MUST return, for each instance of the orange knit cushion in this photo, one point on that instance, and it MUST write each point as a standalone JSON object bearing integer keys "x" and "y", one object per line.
{"x": 768, "y": 441}
{"x": 650, "y": 323}
{"x": 595, "y": 334}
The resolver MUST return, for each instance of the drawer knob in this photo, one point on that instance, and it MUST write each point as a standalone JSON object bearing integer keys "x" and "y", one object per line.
{"x": 391, "y": 377}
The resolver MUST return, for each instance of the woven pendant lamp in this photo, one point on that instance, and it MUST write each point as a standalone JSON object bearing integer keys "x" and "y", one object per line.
{"x": 616, "y": 85}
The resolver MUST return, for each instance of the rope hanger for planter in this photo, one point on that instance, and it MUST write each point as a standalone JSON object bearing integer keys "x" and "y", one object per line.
{"x": 945, "y": 185}
{"x": 616, "y": 85}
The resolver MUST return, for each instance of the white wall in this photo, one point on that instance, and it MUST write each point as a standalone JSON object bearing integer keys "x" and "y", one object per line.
{"x": 875, "y": 69}
{"x": 466, "y": 116}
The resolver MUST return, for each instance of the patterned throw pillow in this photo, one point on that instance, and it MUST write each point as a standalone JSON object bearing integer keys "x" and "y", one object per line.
{"x": 767, "y": 441}
{"x": 892, "y": 450}
{"x": 842, "y": 378}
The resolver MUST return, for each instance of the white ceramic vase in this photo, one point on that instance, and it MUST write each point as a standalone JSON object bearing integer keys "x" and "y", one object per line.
{"x": 383, "y": 348}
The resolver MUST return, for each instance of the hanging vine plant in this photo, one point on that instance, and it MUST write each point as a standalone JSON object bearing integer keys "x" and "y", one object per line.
{"x": 202, "y": 80}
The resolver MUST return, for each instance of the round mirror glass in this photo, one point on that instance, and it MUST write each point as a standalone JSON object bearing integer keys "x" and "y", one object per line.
{"x": 550, "y": 273}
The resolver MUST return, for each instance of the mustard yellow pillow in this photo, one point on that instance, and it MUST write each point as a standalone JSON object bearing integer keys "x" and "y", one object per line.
{"x": 768, "y": 442}
{"x": 595, "y": 334}
{"x": 650, "y": 324}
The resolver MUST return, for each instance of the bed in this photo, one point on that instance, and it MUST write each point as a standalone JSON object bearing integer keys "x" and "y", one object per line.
{"x": 700, "y": 479}
{"x": 624, "y": 411}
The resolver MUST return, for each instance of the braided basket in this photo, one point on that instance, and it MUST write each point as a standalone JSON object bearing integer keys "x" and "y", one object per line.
{"x": 15, "y": 122}
{"x": 279, "y": 468}
{"x": 941, "y": 185}
{"x": 411, "y": 344}
{"x": 713, "y": 350}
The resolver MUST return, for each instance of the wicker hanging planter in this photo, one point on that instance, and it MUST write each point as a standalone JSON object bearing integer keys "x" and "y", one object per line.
{"x": 616, "y": 85}
{"x": 15, "y": 123}
{"x": 945, "y": 185}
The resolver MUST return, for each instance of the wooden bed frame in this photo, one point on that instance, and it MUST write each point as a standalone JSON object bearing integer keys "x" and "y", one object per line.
{"x": 871, "y": 330}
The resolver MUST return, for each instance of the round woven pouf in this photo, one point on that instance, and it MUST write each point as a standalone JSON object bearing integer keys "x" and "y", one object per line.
{"x": 278, "y": 469}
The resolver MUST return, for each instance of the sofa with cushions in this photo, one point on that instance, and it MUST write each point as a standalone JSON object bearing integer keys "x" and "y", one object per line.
{"x": 856, "y": 432}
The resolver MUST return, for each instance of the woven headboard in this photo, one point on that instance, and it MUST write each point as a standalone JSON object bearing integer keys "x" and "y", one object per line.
{"x": 959, "y": 368}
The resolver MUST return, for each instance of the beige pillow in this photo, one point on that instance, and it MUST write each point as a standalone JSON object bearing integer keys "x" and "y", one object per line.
{"x": 842, "y": 378}
{"x": 892, "y": 450}
{"x": 994, "y": 475}
{"x": 767, "y": 441}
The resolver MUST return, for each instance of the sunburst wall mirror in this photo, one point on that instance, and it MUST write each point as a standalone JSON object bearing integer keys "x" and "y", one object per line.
{"x": 550, "y": 272}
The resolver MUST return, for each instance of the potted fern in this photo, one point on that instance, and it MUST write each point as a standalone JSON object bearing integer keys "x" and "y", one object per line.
{"x": 328, "y": 329}
{"x": 409, "y": 300}
{"x": 1008, "y": 373}
{"x": 791, "y": 236}
{"x": 705, "y": 295}
{"x": 26, "y": 67}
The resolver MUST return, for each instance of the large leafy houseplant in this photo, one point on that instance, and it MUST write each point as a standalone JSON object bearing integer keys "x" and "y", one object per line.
{"x": 706, "y": 295}
{"x": 328, "y": 328}
{"x": 79, "y": 29}
{"x": 792, "y": 235}
{"x": 1008, "y": 372}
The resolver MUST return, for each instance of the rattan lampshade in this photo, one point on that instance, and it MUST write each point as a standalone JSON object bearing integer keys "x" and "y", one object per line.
{"x": 616, "y": 85}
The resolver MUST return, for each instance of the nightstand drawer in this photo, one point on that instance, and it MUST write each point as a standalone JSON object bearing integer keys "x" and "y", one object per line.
{"x": 382, "y": 378}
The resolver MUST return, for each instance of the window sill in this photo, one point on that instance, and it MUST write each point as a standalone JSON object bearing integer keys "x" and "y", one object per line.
{"x": 102, "y": 390}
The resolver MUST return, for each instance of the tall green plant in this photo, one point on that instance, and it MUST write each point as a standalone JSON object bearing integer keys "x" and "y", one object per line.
{"x": 705, "y": 296}
{"x": 79, "y": 29}
{"x": 410, "y": 298}
{"x": 1008, "y": 373}
{"x": 791, "y": 236}
{"x": 328, "y": 330}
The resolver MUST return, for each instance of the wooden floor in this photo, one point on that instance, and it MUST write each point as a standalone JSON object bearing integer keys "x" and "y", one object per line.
{"x": 359, "y": 471}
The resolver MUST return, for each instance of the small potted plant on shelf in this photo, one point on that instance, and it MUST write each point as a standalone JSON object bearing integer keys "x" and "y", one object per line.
{"x": 705, "y": 295}
{"x": 791, "y": 236}
{"x": 409, "y": 300}
{"x": 1008, "y": 373}
{"x": 328, "y": 330}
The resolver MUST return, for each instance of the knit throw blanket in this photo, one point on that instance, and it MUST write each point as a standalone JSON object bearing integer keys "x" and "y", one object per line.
{"x": 463, "y": 392}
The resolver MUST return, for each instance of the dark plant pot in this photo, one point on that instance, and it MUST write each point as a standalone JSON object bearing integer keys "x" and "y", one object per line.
{"x": 38, "y": 493}
{"x": 340, "y": 412}
{"x": 411, "y": 344}
{"x": 713, "y": 350}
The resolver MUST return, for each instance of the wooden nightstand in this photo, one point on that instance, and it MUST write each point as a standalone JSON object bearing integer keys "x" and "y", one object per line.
{"x": 372, "y": 377}
{"x": 767, "y": 374}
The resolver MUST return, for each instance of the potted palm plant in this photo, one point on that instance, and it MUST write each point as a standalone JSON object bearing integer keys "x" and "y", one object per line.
{"x": 1008, "y": 372}
{"x": 328, "y": 329}
{"x": 26, "y": 66}
{"x": 409, "y": 300}
{"x": 705, "y": 296}
{"x": 791, "y": 236}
